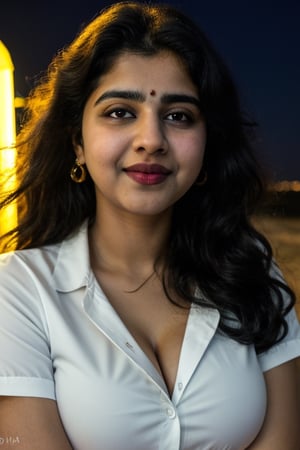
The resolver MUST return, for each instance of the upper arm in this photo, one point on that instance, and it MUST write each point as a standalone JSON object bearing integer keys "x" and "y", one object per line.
{"x": 31, "y": 424}
{"x": 281, "y": 426}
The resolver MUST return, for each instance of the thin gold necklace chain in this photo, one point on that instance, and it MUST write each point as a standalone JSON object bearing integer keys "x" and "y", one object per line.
{"x": 140, "y": 285}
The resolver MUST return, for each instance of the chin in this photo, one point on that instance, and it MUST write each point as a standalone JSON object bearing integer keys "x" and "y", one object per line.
{"x": 150, "y": 211}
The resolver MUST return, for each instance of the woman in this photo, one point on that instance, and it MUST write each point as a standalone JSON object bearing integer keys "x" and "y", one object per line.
{"x": 141, "y": 309}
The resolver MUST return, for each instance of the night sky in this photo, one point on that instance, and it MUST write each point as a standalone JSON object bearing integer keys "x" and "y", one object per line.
{"x": 259, "y": 40}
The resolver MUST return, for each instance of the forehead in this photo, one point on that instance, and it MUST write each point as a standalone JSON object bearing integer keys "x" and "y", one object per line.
{"x": 154, "y": 72}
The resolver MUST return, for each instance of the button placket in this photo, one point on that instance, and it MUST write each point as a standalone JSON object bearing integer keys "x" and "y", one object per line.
{"x": 170, "y": 438}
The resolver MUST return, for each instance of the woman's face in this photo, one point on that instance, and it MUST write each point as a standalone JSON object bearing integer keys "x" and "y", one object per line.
{"x": 143, "y": 134}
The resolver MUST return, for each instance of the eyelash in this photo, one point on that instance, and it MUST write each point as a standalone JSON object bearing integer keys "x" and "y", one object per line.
{"x": 186, "y": 117}
{"x": 118, "y": 110}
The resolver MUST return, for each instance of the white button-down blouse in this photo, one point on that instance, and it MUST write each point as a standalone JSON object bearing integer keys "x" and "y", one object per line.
{"x": 61, "y": 339}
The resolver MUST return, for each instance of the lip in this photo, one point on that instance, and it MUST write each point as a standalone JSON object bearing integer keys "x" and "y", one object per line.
{"x": 147, "y": 174}
{"x": 148, "y": 168}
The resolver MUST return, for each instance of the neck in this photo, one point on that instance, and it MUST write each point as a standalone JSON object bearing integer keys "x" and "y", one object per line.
{"x": 130, "y": 244}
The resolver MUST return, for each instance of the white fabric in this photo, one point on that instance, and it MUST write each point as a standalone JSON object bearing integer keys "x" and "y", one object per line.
{"x": 61, "y": 339}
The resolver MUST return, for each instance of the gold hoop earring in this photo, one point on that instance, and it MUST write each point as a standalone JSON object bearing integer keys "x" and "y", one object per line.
{"x": 202, "y": 179}
{"x": 78, "y": 172}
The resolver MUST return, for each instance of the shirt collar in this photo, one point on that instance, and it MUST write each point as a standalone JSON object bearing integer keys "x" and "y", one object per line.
{"x": 72, "y": 269}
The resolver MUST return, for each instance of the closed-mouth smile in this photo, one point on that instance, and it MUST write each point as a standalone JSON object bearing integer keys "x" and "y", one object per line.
{"x": 147, "y": 174}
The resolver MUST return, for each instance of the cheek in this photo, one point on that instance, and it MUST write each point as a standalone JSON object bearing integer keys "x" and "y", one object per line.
{"x": 101, "y": 149}
{"x": 192, "y": 157}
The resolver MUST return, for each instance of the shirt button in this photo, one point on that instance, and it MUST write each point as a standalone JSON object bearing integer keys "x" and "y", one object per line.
{"x": 180, "y": 386}
{"x": 170, "y": 413}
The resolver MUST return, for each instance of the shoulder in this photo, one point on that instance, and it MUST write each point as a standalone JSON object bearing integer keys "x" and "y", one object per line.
{"x": 43, "y": 262}
{"x": 285, "y": 350}
{"x": 20, "y": 264}
{"x": 39, "y": 273}
{"x": 31, "y": 279}
{"x": 25, "y": 278}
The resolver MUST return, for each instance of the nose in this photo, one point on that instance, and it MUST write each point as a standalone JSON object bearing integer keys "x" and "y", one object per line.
{"x": 150, "y": 135}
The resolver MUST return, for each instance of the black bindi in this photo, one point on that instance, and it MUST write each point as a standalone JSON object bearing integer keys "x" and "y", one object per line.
{"x": 152, "y": 92}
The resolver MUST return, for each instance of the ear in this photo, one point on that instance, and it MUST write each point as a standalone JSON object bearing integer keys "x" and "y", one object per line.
{"x": 78, "y": 149}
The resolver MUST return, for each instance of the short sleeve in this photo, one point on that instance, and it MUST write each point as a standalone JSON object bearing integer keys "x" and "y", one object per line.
{"x": 285, "y": 350}
{"x": 25, "y": 359}
{"x": 289, "y": 347}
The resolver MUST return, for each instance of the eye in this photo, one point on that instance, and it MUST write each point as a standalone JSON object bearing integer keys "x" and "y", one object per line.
{"x": 178, "y": 116}
{"x": 120, "y": 113}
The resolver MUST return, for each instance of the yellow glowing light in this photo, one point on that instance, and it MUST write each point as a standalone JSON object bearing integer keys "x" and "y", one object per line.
{"x": 8, "y": 217}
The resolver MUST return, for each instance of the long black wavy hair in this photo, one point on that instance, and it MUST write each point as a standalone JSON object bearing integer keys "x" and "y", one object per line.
{"x": 213, "y": 245}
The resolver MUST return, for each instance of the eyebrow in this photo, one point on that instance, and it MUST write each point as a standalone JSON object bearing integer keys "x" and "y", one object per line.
{"x": 127, "y": 95}
{"x": 140, "y": 97}
{"x": 180, "y": 98}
